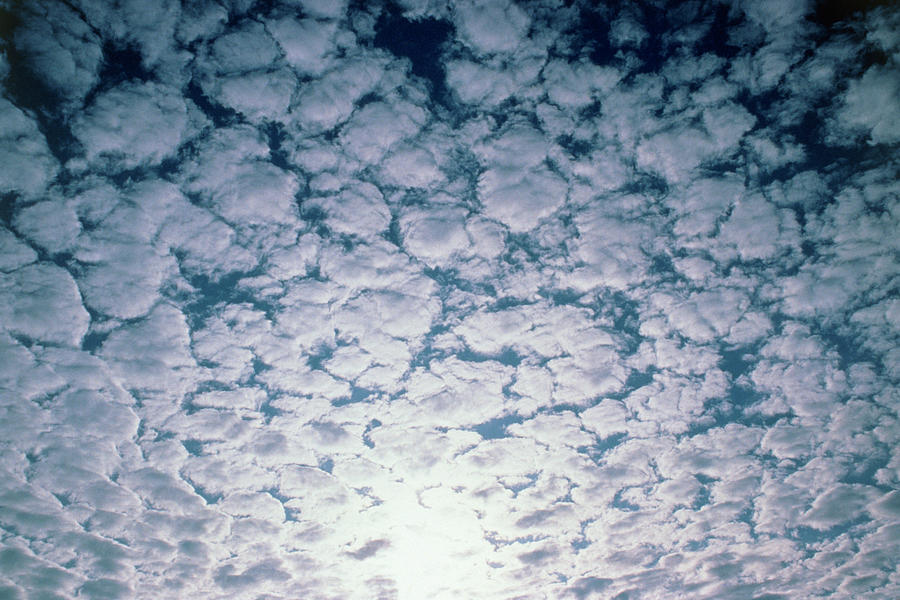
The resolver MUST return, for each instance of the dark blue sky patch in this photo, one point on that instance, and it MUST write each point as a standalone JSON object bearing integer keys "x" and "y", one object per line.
{"x": 811, "y": 536}
{"x": 662, "y": 266}
{"x": 563, "y": 297}
{"x": 314, "y": 215}
{"x": 211, "y": 385}
{"x": 121, "y": 62}
{"x": 736, "y": 361}
{"x": 622, "y": 310}
{"x": 213, "y": 292}
{"x": 219, "y": 114}
{"x": 647, "y": 183}
{"x": 25, "y": 340}
{"x": 829, "y": 13}
{"x": 275, "y": 137}
{"x": 93, "y": 340}
{"x": 508, "y": 302}
{"x": 845, "y": 341}
{"x": 703, "y": 497}
{"x": 428, "y": 353}
{"x": 27, "y": 90}
{"x": 638, "y": 379}
{"x": 519, "y": 244}
{"x": 450, "y": 278}
{"x": 23, "y": 85}
{"x": 507, "y": 356}
{"x": 357, "y": 394}
{"x": 269, "y": 411}
{"x": 194, "y": 447}
{"x": 367, "y": 440}
{"x": 64, "y": 499}
{"x": 622, "y": 504}
{"x": 717, "y": 39}
{"x": 262, "y": 8}
{"x": 653, "y": 52}
{"x": 496, "y": 428}
{"x": 862, "y": 469}
{"x": 421, "y": 41}
{"x": 577, "y": 148}
{"x": 592, "y": 35}
{"x": 127, "y": 177}
{"x": 7, "y": 207}
{"x": 606, "y": 444}
{"x": 393, "y": 234}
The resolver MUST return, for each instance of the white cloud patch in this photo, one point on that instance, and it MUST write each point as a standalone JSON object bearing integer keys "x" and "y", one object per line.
{"x": 435, "y": 235}
{"x": 42, "y": 302}
{"x": 376, "y": 127}
{"x": 133, "y": 124}
{"x": 677, "y": 152}
{"x": 51, "y": 224}
{"x": 866, "y": 105}
{"x": 360, "y": 210}
{"x": 306, "y": 43}
{"x": 476, "y": 83}
{"x": 491, "y": 27}
{"x": 14, "y": 253}
{"x": 238, "y": 184}
{"x": 575, "y": 86}
{"x": 327, "y": 101}
{"x": 27, "y": 165}
{"x": 519, "y": 189}
{"x": 60, "y": 48}
{"x": 153, "y": 353}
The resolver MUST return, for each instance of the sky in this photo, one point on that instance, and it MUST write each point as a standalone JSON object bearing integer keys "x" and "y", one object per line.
{"x": 421, "y": 299}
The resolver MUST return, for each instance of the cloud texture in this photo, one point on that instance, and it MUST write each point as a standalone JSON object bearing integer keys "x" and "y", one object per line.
{"x": 314, "y": 299}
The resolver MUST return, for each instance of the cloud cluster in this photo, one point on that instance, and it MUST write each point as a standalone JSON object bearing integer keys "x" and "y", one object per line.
{"x": 604, "y": 307}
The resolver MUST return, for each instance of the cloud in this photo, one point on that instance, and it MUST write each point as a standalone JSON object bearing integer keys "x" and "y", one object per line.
{"x": 837, "y": 505}
{"x": 61, "y": 49}
{"x": 238, "y": 184}
{"x": 133, "y": 124}
{"x": 675, "y": 153}
{"x": 597, "y": 308}
{"x": 51, "y": 224}
{"x": 518, "y": 190}
{"x": 27, "y": 165}
{"x": 376, "y": 127}
{"x": 490, "y": 27}
{"x": 863, "y": 106}
{"x": 435, "y": 235}
{"x": 329, "y": 100}
{"x": 475, "y": 83}
{"x": 41, "y": 302}
{"x": 306, "y": 43}
{"x": 14, "y": 253}
{"x": 627, "y": 30}
{"x": 153, "y": 353}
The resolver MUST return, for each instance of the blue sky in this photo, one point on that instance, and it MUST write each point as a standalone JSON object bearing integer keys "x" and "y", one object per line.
{"x": 472, "y": 299}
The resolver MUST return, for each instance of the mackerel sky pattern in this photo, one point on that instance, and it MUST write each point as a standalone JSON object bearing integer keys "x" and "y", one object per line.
{"x": 429, "y": 299}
